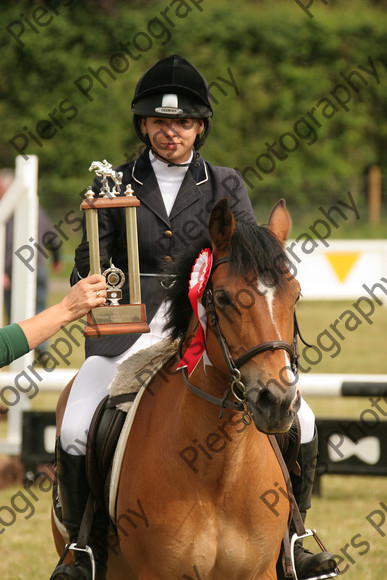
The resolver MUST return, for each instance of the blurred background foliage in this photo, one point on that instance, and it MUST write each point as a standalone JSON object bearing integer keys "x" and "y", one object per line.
{"x": 282, "y": 60}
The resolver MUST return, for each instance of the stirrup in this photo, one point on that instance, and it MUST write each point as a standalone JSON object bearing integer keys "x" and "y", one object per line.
{"x": 76, "y": 548}
{"x": 307, "y": 534}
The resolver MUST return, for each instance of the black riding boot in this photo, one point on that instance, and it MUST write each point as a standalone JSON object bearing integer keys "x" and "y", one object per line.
{"x": 307, "y": 564}
{"x": 74, "y": 492}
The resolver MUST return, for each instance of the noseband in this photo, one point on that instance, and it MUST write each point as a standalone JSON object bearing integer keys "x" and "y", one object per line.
{"x": 237, "y": 387}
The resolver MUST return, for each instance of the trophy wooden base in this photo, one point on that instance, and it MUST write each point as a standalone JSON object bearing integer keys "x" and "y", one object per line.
{"x": 122, "y": 319}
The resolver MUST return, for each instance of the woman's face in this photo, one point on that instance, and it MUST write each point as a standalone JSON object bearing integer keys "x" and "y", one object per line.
{"x": 172, "y": 139}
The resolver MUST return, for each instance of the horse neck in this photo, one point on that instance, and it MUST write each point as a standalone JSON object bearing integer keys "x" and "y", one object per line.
{"x": 216, "y": 448}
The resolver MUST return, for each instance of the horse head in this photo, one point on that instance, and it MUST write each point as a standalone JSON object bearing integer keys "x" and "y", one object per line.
{"x": 254, "y": 297}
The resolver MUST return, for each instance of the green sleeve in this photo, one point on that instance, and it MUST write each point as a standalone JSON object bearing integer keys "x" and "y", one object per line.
{"x": 13, "y": 343}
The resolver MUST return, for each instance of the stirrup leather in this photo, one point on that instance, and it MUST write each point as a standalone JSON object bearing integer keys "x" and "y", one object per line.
{"x": 76, "y": 548}
{"x": 307, "y": 534}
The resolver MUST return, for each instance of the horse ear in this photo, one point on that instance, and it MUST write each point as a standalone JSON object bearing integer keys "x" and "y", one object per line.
{"x": 279, "y": 221}
{"x": 222, "y": 225}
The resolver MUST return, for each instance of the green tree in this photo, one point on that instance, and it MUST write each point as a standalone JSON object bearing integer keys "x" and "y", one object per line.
{"x": 66, "y": 88}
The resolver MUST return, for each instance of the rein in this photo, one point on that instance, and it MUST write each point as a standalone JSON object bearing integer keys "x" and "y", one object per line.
{"x": 237, "y": 387}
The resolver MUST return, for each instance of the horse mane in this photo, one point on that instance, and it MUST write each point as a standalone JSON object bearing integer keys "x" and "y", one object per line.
{"x": 254, "y": 251}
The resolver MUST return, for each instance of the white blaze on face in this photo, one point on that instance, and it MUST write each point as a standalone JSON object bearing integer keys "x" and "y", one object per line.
{"x": 269, "y": 295}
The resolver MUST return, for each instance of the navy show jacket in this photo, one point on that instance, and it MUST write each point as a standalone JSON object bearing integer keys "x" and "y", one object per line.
{"x": 161, "y": 237}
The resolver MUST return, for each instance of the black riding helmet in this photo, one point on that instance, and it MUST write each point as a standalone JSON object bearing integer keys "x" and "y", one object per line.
{"x": 175, "y": 89}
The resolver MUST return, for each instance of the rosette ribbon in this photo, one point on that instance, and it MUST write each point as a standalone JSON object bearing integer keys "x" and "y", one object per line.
{"x": 200, "y": 274}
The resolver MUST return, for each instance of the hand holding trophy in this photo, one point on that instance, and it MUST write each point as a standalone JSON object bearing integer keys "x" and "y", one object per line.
{"x": 112, "y": 317}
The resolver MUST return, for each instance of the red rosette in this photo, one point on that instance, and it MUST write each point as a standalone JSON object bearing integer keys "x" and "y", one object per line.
{"x": 201, "y": 271}
{"x": 200, "y": 274}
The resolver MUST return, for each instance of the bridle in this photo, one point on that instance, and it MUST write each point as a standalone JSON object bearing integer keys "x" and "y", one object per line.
{"x": 237, "y": 387}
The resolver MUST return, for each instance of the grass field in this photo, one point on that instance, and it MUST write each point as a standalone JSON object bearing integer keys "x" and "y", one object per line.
{"x": 339, "y": 515}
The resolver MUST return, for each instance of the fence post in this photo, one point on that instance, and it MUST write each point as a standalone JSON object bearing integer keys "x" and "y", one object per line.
{"x": 21, "y": 200}
{"x": 375, "y": 194}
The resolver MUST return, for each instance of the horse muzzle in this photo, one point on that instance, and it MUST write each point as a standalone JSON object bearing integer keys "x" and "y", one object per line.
{"x": 272, "y": 408}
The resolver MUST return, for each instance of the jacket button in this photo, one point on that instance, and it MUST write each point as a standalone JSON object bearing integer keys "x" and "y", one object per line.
{"x": 168, "y": 233}
{"x": 167, "y": 258}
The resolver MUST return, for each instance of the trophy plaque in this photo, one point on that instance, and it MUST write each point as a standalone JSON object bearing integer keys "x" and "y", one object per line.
{"x": 113, "y": 317}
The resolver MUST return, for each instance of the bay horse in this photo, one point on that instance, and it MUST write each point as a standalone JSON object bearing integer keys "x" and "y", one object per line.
{"x": 191, "y": 493}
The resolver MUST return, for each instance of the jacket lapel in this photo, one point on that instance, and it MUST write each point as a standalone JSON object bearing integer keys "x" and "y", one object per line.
{"x": 147, "y": 188}
{"x": 190, "y": 192}
{"x": 195, "y": 184}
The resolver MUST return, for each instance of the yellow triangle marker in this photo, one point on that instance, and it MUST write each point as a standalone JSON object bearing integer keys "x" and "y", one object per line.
{"x": 342, "y": 263}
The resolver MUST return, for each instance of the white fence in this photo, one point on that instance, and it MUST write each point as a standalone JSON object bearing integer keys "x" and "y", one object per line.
{"x": 21, "y": 201}
{"x": 331, "y": 385}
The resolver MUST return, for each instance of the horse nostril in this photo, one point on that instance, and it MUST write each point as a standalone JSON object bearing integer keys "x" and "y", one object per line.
{"x": 266, "y": 399}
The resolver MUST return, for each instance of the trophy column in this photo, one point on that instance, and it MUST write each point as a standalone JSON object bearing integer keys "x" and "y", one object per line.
{"x": 112, "y": 317}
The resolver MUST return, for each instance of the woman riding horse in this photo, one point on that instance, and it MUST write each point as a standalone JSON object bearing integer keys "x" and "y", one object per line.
{"x": 177, "y": 190}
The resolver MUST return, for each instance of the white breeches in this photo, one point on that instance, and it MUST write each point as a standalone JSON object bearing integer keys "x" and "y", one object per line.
{"x": 307, "y": 422}
{"x": 93, "y": 382}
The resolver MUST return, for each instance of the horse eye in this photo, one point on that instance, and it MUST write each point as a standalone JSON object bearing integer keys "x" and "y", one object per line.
{"x": 222, "y": 299}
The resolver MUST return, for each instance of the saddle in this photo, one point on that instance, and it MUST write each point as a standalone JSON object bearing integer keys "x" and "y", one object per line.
{"x": 102, "y": 438}
{"x": 103, "y": 457}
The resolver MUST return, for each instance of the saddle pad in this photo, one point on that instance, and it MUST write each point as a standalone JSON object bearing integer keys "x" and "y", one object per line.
{"x": 134, "y": 374}
{"x": 139, "y": 369}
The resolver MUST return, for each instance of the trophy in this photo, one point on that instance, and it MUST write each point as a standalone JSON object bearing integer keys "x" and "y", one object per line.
{"x": 113, "y": 317}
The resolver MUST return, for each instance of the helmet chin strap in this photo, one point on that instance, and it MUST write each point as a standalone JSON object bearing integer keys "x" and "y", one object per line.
{"x": 195, "y": 160}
